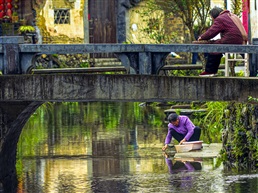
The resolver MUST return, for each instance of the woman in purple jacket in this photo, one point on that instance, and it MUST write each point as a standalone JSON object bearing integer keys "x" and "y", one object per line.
{"x": 182, "y": 129}
{"x": 231, "y": 30}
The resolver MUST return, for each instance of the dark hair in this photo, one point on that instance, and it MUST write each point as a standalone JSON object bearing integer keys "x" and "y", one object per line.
{"x": 172, "y": 117}
{"x": 215, "y": 12}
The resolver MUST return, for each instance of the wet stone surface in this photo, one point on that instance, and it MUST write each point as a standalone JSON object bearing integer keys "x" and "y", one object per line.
{"x": 208, "y": 151}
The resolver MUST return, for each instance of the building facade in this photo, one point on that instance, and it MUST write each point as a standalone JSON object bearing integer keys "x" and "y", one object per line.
{"x": 98, "y": 21}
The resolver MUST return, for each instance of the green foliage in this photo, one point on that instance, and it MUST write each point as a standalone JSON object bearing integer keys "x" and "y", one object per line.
{"x": 252, "y": 99}
{"x": 211, "y": 122}
{"x": 154, "y": 27}
{"x": 55, "y": 55}
{"x": 178, "y": 111}
{"x": 85, "y": 65}
{"x": 26, "y": 140}
{"x": 184, "y": 72}
{"x": 240, "y": 151}
{"x": 191, "y": 12}
{"x": 236, "y": 7}
{"x": 241, "y": 73}
{"x": 126, "y": 42}
{"x": 26, "y": 29}
{"x": 244, "y": 145}
{"x": 235, "y": 122}
{"x": 222, "y": 60}
{"x": 15, "y": 13}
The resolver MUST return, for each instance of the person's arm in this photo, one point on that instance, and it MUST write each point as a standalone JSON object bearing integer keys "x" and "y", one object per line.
{"x": 165, "y": 147}
{"x": 168, "y": 140}
{"x": 190, "y": 130}
{"x": 213, "y": 31}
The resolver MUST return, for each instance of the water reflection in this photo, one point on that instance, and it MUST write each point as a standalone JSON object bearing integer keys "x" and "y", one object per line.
{"x": 182, "y": 164}
{"x": 107, "y": 147}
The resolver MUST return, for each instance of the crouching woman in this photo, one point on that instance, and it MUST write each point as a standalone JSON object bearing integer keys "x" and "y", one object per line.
{"x": 182, "y": 129}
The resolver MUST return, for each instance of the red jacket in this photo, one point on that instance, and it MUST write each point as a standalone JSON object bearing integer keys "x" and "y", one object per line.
{"x": 229, "y": 32}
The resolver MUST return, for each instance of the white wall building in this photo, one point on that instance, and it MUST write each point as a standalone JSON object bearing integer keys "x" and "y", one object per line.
{"x": 253, "y": 6}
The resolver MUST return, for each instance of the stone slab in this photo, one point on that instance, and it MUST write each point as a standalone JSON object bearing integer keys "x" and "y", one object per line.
{"x": 208, "y": 151}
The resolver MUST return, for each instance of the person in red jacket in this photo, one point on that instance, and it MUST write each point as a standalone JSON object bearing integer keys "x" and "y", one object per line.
{"x": 231, "y": 30}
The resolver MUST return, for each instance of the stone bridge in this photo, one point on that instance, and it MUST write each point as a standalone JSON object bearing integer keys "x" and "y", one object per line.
{"x": 134, "y": 88}
{"x": 21, "y": 93}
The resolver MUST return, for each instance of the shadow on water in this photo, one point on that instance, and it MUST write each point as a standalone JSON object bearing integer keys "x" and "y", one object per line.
{"x": 112, "y": 147}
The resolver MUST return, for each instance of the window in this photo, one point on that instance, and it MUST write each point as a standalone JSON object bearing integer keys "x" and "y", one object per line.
{"x": 62, "y": 16}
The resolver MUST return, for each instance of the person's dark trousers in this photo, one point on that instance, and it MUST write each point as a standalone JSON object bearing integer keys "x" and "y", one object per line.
{"x": 213, "y": 62}
{"x": 194, "y": 57}
{"x": 195, "y": 137}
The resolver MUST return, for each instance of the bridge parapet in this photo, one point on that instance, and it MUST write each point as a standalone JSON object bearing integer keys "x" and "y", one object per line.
{"x": 125, "y": 88}
{"x": 17, "y": 58}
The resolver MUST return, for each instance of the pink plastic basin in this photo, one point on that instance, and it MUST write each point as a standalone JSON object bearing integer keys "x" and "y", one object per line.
{"x": 196, "y": 144}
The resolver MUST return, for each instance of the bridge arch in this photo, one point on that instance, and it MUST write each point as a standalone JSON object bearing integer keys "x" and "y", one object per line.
{"x": 14, "y": 116}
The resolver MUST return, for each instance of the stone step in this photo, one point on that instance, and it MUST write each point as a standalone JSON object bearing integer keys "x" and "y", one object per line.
{"x": 107, "y": 62}
{"x": 208, "y": 151}
{"x": 79, "y": 70}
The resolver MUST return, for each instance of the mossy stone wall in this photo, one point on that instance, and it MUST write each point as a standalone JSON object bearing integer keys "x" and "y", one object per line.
{"x": 240, "y": 136}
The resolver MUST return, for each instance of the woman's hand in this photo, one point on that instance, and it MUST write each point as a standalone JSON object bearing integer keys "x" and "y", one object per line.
{"x": 164, "y": 147}
{"x": 182, "y": 141}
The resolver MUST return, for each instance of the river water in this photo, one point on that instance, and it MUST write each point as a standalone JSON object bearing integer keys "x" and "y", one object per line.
{"x": 112, "y": 147}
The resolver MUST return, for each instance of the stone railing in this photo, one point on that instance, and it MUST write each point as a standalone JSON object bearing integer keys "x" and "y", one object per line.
{"x": 17, "y": 58}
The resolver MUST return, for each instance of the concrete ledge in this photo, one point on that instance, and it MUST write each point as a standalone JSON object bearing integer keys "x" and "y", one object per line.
{"x": 79, "y": 70}
{"x": 113, "y": 69}
{"x": 11, "y": 40}
{"x": 136, "y": 48}
{"x": 186, "y": 67}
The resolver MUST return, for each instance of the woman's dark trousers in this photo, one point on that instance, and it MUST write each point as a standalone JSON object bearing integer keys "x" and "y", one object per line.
{"x": 195, "y": 137}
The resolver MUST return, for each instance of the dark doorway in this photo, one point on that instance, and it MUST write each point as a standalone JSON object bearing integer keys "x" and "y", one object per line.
{"x": 102, "y": 23}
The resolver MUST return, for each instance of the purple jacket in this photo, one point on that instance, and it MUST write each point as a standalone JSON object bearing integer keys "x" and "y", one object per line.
{"x": 229, "y": 32}
{"x": 185, "y": 127}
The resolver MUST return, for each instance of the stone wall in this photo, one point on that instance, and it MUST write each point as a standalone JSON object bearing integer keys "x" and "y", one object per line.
{"x": 59, "y": 33}
{"x": 240, "y": 136}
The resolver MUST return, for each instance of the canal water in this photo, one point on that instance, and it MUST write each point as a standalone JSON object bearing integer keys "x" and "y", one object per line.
{"x": 105, "y": 147}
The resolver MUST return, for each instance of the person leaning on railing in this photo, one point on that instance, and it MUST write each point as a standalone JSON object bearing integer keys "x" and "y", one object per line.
{"x": 231, "y": 31}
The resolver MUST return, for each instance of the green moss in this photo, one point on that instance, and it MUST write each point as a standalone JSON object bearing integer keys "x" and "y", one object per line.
{"x": 240, "y": 148}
